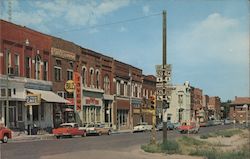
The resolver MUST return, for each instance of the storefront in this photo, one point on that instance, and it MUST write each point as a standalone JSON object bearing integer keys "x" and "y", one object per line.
{"x": 93, "y": 111}
{"x": 122, "y": 114}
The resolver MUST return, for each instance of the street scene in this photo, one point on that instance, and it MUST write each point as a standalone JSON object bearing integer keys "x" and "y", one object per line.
{"x": 127, "y": 79}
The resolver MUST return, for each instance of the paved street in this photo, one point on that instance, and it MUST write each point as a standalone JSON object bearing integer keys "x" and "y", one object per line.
{"x": 124, "y": 145}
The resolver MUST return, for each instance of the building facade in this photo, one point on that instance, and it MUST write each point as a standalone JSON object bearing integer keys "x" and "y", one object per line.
{"x": 214, "y": 106}
{"x": 239, "y": 109}
{"x": 180, "y": 105}
{"x": 27, "y": 57}
{"x": 196, "y": 104}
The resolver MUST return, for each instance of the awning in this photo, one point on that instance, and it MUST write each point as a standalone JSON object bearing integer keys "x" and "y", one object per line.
{"x": 49, "y": 96}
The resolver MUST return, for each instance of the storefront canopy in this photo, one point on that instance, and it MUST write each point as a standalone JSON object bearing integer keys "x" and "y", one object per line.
{"x": 49, "y": 96}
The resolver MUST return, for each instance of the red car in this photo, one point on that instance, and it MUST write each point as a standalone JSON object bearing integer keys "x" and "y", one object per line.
{"x": 69, "y": 129}
{"x": 191, "y": 127}
{"x": 5, "y": 134}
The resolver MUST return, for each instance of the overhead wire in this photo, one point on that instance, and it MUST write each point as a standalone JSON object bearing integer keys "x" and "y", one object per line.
{"x": 108, "y": 24}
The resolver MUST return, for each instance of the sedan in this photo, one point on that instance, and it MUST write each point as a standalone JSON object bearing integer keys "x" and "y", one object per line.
{"x": 68, "y": 129}
{"x": 142, "y": 127}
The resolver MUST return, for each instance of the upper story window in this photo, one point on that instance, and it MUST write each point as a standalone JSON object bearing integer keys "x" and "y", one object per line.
{"x": 91, "y": 77}
{"x": 118, "y": 87}
{"x": 27, "y": 66}
{"x": 45, "y": 70}
{"x": 69, "y": 74}
{"x": 97, "y": 79}
{"x": 16, "y": 64}
{"x": 106, "y": 84}
{"x": 37, "y": 67}
{"x": 57, "y": 73}
{"x": 84, "y": 76}
{"x": 125, "y": 89}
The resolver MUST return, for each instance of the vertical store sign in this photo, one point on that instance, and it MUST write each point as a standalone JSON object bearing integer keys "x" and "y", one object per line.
{"x": 77, "y": 81}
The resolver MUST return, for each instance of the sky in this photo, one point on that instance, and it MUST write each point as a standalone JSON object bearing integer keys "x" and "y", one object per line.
{"x": 207, "y": 40}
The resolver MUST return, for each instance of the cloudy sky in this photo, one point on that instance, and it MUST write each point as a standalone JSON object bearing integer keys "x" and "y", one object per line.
{"x": 207, "y": 40}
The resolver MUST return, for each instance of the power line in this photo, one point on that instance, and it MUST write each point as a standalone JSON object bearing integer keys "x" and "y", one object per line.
{"x": 108, "y": 24}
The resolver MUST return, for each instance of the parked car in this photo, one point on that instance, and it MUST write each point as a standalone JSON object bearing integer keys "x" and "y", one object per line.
{"x": 142, "y": 127}
{"x": 170, "y": 126}
{"x": 97, "y": 129}
{"x": 69, "y": 129}
{"x": 176, "y": 125}
{"x": 5, "y": 134}
{"x": 227, "y": 121}
{"x": 192, "y": 127}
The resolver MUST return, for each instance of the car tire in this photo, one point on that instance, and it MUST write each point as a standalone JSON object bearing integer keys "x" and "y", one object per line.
{"x": 100, "y": 133}
{"x": 5, "y": 139}
{"x": 58, "y": 137}
{"x": 109, "y": 132}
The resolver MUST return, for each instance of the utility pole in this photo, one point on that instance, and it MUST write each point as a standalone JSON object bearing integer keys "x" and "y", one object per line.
{"x": 164, "y": 63}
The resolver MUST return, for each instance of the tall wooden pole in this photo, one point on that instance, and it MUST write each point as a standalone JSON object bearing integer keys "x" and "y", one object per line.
{"x": 164, "y": 64}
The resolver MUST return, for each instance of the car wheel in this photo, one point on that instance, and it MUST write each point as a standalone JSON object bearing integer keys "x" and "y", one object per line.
{"x": 58, "y": 137}
{"x": 100, "y": 133}
{"x": 5, "y": 139}
{"x": 109, "y": 132}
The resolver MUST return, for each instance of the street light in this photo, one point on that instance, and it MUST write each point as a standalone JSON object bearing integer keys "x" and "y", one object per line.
{"x": 246, "y": 106}
{"x": 7, "y": 80}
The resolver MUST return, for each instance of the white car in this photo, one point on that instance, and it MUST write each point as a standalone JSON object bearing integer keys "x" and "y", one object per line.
{"x": 142, "y": 127}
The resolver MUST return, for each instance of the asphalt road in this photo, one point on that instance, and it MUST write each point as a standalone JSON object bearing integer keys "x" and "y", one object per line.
{"x": 115, "y": 142}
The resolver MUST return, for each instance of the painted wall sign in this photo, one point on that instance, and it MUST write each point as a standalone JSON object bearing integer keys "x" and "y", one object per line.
{"x": 33, "y": 99}
{"x": 63, "y": 54}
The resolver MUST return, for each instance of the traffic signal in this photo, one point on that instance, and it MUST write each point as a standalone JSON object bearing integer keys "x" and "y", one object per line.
{"x": 153, "y": 102}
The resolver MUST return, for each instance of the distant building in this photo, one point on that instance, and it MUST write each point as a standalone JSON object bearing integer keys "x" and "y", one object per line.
{"x": 196, "y": 104}
{"x": 180, "y": 105}
{"x": 214, "y": 106}
{"x": 237, "y": 109}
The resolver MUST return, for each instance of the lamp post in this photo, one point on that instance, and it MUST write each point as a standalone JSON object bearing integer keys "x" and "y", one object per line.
{"x": 246, "y": 106}
{"x": 7, "y": 80}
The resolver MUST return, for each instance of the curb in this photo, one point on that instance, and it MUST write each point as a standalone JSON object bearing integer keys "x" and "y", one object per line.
{"x": 31, "y": 138}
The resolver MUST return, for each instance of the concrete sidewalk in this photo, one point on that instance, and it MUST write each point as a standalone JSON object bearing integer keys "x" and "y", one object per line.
{"x": 22, "y": 136}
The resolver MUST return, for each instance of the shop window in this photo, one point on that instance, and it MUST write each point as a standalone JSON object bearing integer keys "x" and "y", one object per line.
{"x": 42, "y": 111}
{"x": 35, "y": 112}
{"x": 20, "y": 111}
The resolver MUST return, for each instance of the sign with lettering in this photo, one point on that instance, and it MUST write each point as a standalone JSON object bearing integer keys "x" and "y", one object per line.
{"x": 63, "y": 54}
{"x": 78, "y": 95}
{"x": 70, "y": 86}
{"x": 33, "y": 99}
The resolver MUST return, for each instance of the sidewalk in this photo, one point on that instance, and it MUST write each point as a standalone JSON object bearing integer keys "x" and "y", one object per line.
{"x": 22, "y": 136}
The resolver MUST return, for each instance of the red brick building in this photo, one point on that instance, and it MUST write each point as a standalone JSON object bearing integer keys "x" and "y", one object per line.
{"x": 29, "y": 63}
{"x": 196, "y": 103}
{"x": 238, "y": 111}
{"x": 214, "y": 107}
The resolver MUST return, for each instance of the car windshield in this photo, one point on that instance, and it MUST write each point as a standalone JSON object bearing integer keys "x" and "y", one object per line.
{"x": 66, "y": 126}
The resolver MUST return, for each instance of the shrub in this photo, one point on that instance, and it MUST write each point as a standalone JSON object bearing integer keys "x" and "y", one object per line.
{"x": 170, "y": 147}
{"x": 190, "y": 141}
{"x": 151, "y": 148}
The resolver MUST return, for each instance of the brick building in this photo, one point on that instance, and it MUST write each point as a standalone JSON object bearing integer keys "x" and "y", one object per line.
{"x": 141, "y": 113}
{"x": 238, "y": 111}
{"x": 196, "y": 104}
{"x": 214, "y": 107}
{"x": 29, "y": 76}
